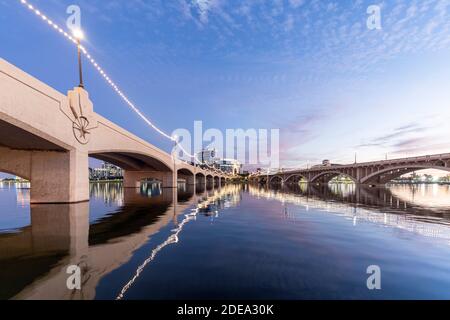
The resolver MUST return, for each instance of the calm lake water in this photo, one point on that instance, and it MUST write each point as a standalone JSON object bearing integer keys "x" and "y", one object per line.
{"x": 236, "y": 242}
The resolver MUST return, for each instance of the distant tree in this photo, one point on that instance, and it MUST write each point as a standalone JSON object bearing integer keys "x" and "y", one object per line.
{"x": 415, "y": 178}
{"x": 428, "y": 178}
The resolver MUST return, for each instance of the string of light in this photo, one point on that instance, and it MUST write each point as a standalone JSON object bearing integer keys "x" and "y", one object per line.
{"x": 109, "y": 80}
{"x": 172, "y": 239}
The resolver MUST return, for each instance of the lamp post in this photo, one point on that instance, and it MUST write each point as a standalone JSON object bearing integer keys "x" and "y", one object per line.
{"x": 78, "y": 34}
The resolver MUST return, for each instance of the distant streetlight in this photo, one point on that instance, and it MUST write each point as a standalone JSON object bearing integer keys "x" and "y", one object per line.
{"x": 78, "y": 34}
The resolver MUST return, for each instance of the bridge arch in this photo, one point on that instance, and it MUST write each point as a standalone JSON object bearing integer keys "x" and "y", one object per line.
{"x": 14, "y": 173}
{"x": 275, "y": 178}
{"x": 139, "y": 167}
{"x": 289, "y": 179}
{"x": 187, "y": 175}
{"x": 327, "y": 176}
{"x": 133, "y": 160}
{"x": 185, "y": 171}
{"x": 200, "y": 178}
{"x": 385, "y": 175}
{"x": 209, "y": 179}
{"x": 15, "y": 162}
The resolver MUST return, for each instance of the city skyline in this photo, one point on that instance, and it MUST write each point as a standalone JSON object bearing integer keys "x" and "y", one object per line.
{"x": 311, "y": 68}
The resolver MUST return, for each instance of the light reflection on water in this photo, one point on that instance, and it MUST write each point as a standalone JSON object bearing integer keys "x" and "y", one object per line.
{"x": 412, "y": 208}
{"x": 227, "y": 243}
{"x": 432, "y": 196}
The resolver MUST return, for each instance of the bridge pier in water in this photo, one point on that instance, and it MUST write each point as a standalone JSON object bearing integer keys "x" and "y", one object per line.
{"x": 57, "y": 176}
{"x": 187, "y": 176}
{"x": 133, "y": 179}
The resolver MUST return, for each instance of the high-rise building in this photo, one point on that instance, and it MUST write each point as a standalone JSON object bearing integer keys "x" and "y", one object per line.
{"x": 207, "y": 156}
{"x": 230, "y": 166}
{"x": 106, "y": 172}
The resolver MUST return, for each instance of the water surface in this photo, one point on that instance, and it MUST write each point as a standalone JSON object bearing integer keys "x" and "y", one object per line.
{"x": 235, "y": 242}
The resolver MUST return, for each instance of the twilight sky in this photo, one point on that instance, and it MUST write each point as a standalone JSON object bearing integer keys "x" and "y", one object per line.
{"x": 308, "y": 67}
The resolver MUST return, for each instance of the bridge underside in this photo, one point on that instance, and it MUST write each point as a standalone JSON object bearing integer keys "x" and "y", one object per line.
{"x": 59, "y": 174}
{"x": 14, "y": 137}
{"x": 186, "y": 176}
{"x": 131, "y": 161}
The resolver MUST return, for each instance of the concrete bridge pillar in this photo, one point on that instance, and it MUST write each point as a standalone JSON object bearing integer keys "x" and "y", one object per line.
{"x": 209, "y": 182}
{"x": 190, "y": 180}
{"x": 133, "y": 179}
{"x": 201, "y": 180}
{"x": 59, "y": 177}
{"x": 56, "y": 177}
{"x": 359, "y": 175}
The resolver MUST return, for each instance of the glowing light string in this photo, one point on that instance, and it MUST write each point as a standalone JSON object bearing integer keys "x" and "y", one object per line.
{"x": 108, "y": 79}
{"x": 172, "y": 239}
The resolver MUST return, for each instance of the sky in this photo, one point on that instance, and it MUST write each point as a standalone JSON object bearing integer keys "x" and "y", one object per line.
{"x": 311, "y": 68}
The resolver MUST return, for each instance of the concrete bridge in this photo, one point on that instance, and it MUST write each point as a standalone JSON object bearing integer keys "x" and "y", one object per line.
{"x": 47, "y": 137}
{"x": 366, "y": 173}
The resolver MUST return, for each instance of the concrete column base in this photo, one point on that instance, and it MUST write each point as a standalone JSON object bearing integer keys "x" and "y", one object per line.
{"x": 59, "y": 177}
{"x": 56, "y": 177}
{"x": 133, "y": 179}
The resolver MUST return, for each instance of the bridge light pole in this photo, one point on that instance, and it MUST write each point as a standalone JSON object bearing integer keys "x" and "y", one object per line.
{"x": 78, "y": 34}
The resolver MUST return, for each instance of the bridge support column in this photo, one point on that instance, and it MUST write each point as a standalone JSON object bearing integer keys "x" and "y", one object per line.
{"x": 56, "y": 177}
{"x": 133, "y": 179}
{"x": 190, "y": 180}
{"x": 170, "y": 180}
{"x": 59, "y": 177}
{"x": 200, "y": 180}
{"x": 359, "y": 175}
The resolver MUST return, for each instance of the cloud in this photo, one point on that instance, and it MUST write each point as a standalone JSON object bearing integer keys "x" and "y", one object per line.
{"x": 295, "y": 134}
{"x": 203, "y": 7}
{"x": 420, "y": 147}
{"x": 329, "y": 35}
{"x": 410, "y": 143}
{"x": 289, "y": 23}
{"x": 296, "y": 3}
{"x": 392, "y": 139}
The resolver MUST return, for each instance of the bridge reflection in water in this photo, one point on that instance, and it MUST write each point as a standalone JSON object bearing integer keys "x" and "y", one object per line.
{"x": 34, "y": 259}
{"x": 388, "y": 207}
